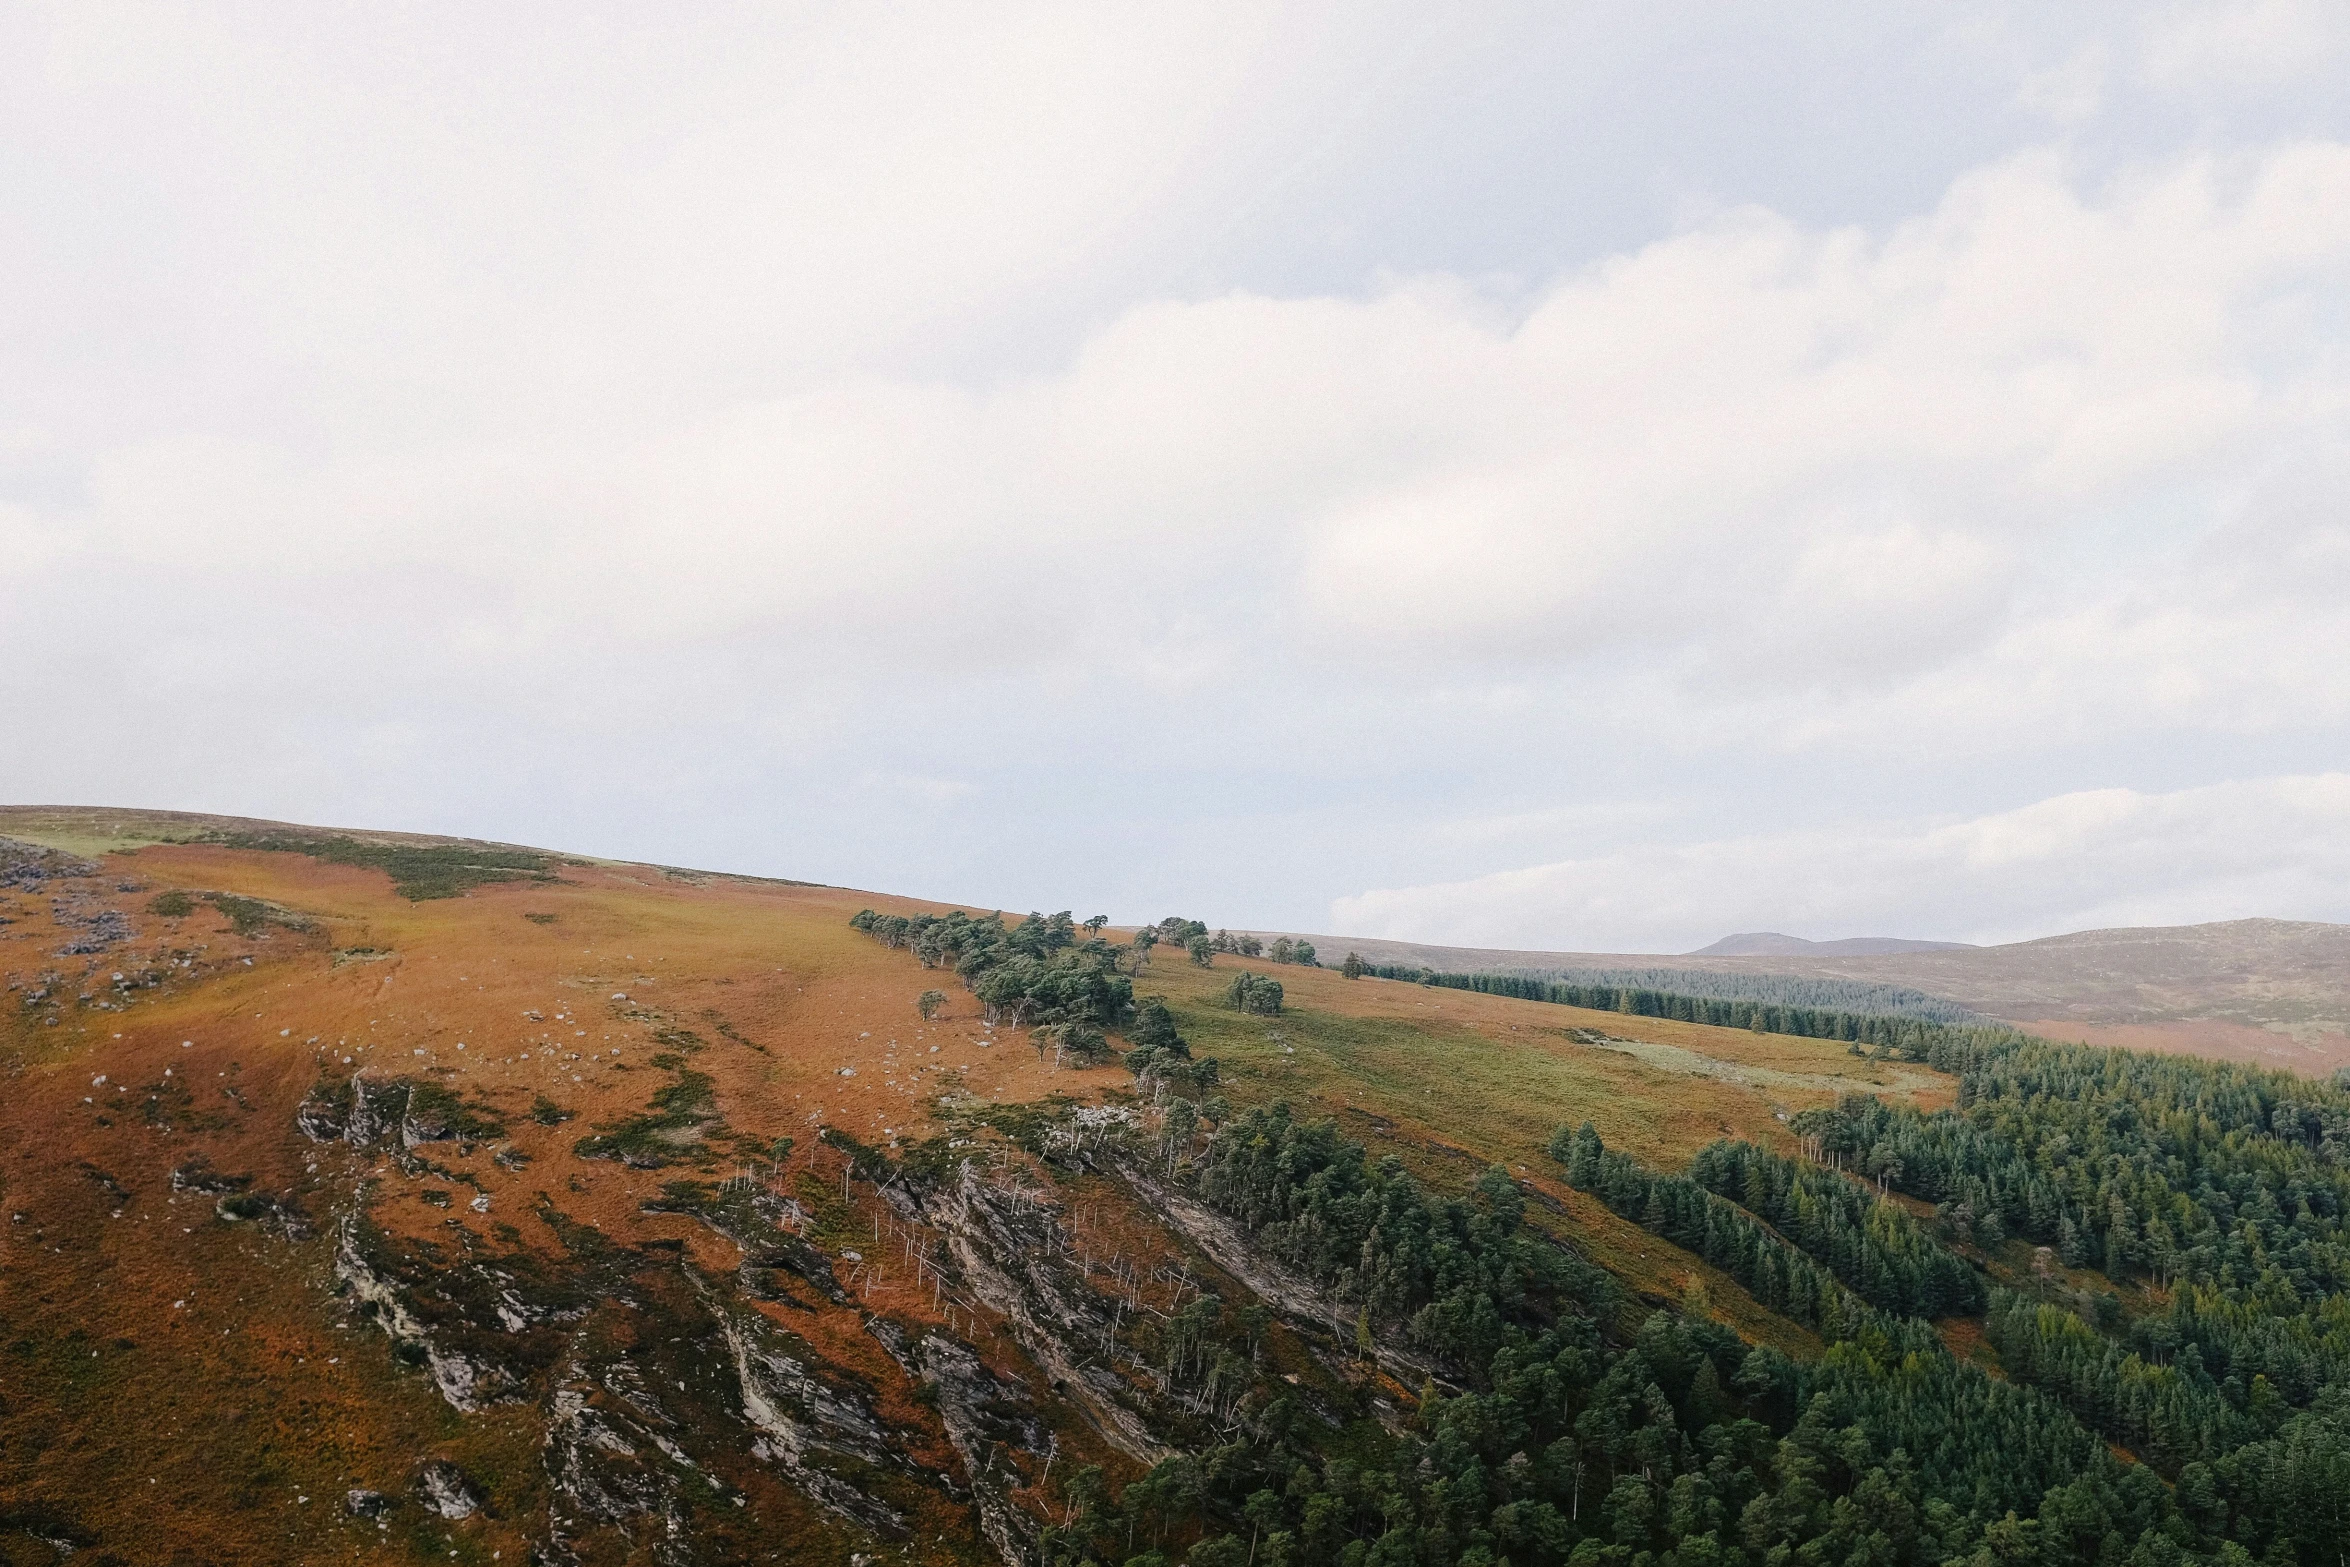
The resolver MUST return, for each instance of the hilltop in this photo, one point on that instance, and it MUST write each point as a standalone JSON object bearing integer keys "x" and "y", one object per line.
{"x": 393, "y": 1197}
{"x": 1773, "y": 944}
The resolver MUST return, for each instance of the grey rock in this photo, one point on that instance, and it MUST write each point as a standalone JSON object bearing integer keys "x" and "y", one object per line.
{"x": 446, "y": 1490}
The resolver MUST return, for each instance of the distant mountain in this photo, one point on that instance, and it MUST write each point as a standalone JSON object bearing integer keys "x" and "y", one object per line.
{"x": 2272, "y": 991}
{"x": 1771, "y": 944}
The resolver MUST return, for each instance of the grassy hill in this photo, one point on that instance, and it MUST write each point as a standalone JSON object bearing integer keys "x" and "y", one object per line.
{"x": 388, "y": 1198}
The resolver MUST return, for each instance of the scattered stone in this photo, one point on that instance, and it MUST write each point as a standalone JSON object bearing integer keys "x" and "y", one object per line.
{"x": 25, "y": 866}
{"x": 366, "y": 1504}
{"x": 446, "y": 1490}
{"x": 99, "y": 930}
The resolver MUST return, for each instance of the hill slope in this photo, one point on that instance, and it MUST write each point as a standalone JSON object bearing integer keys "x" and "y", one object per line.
{"x": 391, "y": 1198}
{"x": 384, "y": 1208}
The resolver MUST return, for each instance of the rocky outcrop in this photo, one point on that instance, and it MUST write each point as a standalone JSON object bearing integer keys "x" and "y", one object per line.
{"x": 400, "y": 1113}
{"x": 467, "y": 1383}
{"x": 984, "y": 1417}
{"x": 596, "y": 1461}
{"x": 1013, "y": 1253}
{"x": 657, "y": 1382}
{"x": 1297, "y": 1298}
{"x": 801, "y": 1420}
{"x": 446, "y": 1492}
{"x": 760, "y": 1223}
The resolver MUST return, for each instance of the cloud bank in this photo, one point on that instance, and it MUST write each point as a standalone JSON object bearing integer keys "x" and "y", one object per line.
{"x": 818, "y": 459}
{"x": 2084, "y": 861}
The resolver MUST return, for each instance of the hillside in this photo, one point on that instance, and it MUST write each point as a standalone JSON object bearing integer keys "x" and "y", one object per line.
{"x": 391, "y": 1198}
{"x": 2274, "y": 992}
{"x": 177, "y": 1064}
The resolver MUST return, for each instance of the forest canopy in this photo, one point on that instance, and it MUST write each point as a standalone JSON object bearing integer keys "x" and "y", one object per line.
{"x": 2173, "y": 1354}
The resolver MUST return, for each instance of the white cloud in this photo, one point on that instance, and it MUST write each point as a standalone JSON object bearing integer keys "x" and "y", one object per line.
{"x": 2072, "y": 90}
{"x": 840, "y": 407}
{"x": 2272, "y": 846}
{"x": 1787, "y": 461}
{"x": 2243, "y": 43}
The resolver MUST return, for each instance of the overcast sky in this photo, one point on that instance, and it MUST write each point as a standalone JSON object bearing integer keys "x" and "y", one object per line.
{"x": 1559, "y": 476}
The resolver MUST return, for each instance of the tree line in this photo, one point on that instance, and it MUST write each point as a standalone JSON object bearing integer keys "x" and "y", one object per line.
{"x": 1586, "y": 1432}
{"x": 1789, "y": 990}
{"x": 1901, "y": 1036}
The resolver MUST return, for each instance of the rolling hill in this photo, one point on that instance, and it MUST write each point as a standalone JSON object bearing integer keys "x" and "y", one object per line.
{"x": 383, "y": 1197}
{"x": 2275, "y": 992}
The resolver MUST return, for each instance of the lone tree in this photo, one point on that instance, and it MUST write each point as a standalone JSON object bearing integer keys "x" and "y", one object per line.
{"x": 1254, "y": 993}
{"x": 1203, "y": 952}
{"x": 929, "y": 1002}
{"x": 1352, "y": 968}
{"x": 1093, "y": 925}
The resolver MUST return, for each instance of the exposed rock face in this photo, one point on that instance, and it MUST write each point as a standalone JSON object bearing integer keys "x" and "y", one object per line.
{"x": 463, "y": 1381}
{"x": 662, "y": 1387}
{"x": 197, "y": 1175}
{"x": 628, "y": 1446}
{"x": 983, "y": 1415}
{"x": 802, "y": 1419}
{"x": 596, "y": 1458}
{"x": 1013, "y": 1252}
{"x": 324, "y": 1117}
{"x": 1297, "y": 1298}
{"x": 760, "y": 1224}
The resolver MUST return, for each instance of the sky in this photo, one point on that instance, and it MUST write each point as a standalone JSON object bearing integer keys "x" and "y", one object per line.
{"x": 1560, "y": 476}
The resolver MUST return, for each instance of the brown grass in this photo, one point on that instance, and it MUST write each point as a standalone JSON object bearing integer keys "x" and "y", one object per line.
{"x": 198, "y": 1426}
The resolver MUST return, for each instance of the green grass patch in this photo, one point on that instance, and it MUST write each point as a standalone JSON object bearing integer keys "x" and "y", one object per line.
{"x": 1498, "y": 1095}
{"x": 433, "y": 1106}
{"x": 171, "y": 905}
{"x": 1022, "y": 1125}
{"x": 418, "y": 871}
{"x": 670, "y": 1132}
{"x": 251, "y": 916}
